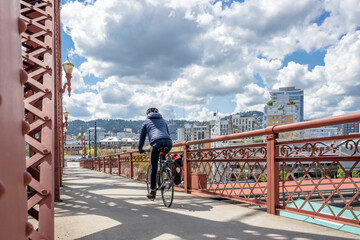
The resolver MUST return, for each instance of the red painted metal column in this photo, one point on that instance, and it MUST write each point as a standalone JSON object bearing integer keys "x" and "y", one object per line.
{"x": 38, "y": 61}
{"x": 272, "y": 172}
{"x": 13, "y": 176}
{"x": 187, "y": 169}
{"x": 58, "y": 136}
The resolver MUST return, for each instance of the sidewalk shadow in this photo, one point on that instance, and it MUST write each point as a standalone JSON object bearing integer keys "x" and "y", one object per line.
{"x": 124, "y": 201}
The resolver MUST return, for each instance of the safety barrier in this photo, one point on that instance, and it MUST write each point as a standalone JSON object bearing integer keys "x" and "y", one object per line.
{"x": 318, "y": 177}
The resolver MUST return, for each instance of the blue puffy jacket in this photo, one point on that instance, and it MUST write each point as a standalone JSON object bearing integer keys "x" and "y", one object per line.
{"x": 155, "y": 127}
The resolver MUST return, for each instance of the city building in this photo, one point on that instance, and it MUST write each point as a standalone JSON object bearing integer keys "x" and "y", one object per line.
{"x": 179, "y": 134}
{"x": 100, "y": 134}
{"x": 351, "y": 128}
{"x": 127, "y": 133}
{"x": 118, "y": 145}
{"x": 286, "y": 106}
{"x": 72, "y": 147}
{"x": 192, "y": 132}
{"x": 319, "y": 132}
{"x": 242, "y": 124}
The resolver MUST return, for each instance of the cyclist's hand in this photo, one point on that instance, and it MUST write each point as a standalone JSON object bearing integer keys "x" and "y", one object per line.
{"x": 141, "y": 151}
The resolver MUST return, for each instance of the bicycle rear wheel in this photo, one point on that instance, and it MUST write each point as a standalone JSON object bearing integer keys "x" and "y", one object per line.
{"x": 148, "y": 178}
{"x": 167, "y": 187}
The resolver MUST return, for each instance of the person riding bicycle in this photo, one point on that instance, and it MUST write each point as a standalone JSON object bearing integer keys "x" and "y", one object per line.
{"x": 157, "y": 131}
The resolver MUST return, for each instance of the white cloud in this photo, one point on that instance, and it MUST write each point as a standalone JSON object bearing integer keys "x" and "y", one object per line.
{"x": 179, "y": 54}
{"x": 252, "y": 98}
{"x": 77, "y": 80}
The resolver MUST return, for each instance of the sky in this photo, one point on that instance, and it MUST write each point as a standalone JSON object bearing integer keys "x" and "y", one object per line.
{"x": 193, "y": 58}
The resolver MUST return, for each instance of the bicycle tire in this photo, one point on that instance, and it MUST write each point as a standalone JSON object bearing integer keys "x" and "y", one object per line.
{"x": 148, "y": 178}
{"x": 167, "y": 187}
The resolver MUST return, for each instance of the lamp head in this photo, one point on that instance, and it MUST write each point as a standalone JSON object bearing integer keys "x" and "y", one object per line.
{"x": 68, "y": 66}
{"x": 66, "y": 114}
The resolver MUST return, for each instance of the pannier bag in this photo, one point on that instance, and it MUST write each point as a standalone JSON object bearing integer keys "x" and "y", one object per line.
{"x": 177, "y": 168}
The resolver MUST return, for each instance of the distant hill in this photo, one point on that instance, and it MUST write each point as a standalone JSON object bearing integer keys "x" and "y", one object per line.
{"x": 117, "y": 125}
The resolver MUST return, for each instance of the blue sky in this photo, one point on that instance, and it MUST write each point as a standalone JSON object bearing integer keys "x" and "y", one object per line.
{"x": 191, "y": 58}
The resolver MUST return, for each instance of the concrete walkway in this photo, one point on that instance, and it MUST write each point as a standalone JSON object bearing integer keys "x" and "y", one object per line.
{"x": 99, "y": 206}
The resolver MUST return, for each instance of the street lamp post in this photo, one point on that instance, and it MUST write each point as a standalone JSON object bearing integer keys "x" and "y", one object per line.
{"x": 68, "y": 68}
{"x": 95, "y": 144}
{"x": 89, "y": 146}
{"x": 66, "y": 115}
{"x": 82, "y": 139}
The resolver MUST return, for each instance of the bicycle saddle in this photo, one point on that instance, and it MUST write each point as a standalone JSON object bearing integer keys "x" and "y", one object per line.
{"x": 163, "y": 149}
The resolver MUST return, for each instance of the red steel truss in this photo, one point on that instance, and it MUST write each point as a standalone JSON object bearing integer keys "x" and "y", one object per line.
{"x": 41, "y": 61}
{"x": 319, "y": 177}
{"x": 13, "y": 176}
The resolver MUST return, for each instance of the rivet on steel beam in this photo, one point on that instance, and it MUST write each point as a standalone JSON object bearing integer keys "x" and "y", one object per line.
{"x": 23, "y": 76}
{"x": 44, "y": 192}
{"x": 25, "y": 127}
{"x": 28, "y": 228}
{"x": 2, "y": 188}
{"x": 27, "y": 178}
{"x": 21, "y": 25}
{"x": 46, "y": 118}
{"x": 46, "y": 151}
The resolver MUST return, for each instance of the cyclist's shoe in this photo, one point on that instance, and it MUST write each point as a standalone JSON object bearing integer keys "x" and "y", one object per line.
{"x": 151, "y": 195}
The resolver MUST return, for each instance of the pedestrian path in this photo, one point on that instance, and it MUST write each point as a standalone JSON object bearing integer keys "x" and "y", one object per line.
{"x": 103, "y": 207}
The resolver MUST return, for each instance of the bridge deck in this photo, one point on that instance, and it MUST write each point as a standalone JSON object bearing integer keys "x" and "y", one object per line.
{"x": 99, "y": 206}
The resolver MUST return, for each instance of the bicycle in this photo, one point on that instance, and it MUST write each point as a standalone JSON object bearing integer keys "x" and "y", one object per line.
{"x": 164, "y": 178}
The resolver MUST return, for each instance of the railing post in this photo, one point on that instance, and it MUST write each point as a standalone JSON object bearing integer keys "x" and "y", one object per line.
{"x": 187, "y": 170}
{"x": 99, "y": 164}
{"x": 131, "y": 166}
{"x": 119, "y": 165}
{"x": 272, "y": 172}
{"x": 104, "y": 166}
{"x": 110, "y": 163}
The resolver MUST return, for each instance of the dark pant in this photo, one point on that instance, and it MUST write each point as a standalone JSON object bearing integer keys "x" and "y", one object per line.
{"x": 155, "y": 154}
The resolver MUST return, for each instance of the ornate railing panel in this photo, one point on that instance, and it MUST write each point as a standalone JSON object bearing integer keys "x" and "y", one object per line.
{"x": 320, "y": 178}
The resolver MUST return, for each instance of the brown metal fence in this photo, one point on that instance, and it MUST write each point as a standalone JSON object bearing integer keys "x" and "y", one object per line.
{"x": 312, "y": 177}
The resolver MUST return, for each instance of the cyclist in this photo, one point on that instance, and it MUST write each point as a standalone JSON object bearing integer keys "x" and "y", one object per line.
{"x": 157, "y": 131}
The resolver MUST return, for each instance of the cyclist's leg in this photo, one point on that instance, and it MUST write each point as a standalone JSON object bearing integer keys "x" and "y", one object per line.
{"x": 155, "y": 157}
{"x": 166, "y": 143}
{"x": 154, "y": 164}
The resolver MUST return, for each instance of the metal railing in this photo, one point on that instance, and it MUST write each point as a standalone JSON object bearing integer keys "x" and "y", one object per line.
{"x": 318, "y": 177}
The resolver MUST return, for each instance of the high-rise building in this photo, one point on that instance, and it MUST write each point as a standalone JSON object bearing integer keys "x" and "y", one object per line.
{"x": 242, "y": 124}
{"x": 351, "y": 128}
{"x": 286, "y": 106}
{"x": 195, "y": 132}
{"x": 100, "y": 134}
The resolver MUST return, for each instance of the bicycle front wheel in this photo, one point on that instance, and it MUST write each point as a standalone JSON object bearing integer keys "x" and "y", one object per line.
{"x": 167, "y": 187}
{"x": 148, "y": 178}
